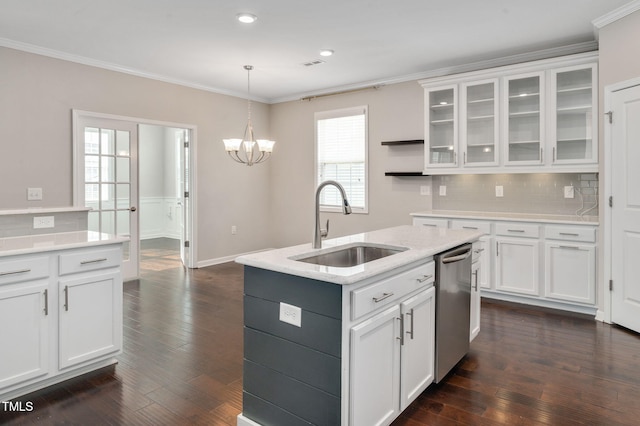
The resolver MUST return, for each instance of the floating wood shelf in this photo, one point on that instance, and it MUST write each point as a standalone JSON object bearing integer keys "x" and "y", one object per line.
{"x": 404, "y": 174}
{"x": 407, "y": 142}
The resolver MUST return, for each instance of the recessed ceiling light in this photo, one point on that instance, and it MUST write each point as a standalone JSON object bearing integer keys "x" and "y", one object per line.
{"x": 246, "y": 18}
{"x": 326, "y": 52}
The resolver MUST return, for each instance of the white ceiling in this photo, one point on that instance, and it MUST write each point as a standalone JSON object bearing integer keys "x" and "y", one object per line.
{"x": 200, "y": 43}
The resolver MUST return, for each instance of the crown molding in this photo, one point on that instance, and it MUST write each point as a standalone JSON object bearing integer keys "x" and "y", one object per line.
{"x": 572, "y": 49}
{"x": 56, "y": 54}
{"x": 615, "y": 15}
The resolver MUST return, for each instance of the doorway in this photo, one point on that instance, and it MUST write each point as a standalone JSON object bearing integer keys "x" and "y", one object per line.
{"x": 622, "y": 218}
{"x": 107, "y": 160}
{"x": 161, "y": 197}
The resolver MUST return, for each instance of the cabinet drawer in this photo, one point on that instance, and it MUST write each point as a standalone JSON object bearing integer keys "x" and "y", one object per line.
{"x": 20, "y": 269}
{"x": 374, "y": 296}
{"x": 570, "y": 233}
{"x": 431, "y": 222}
{"x": 89, "y": 260}
{"x": 518, "y": 229}
{"x": 472, "y": 224}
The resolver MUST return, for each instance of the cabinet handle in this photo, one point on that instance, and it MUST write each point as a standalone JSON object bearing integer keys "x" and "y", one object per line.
{"x": 66, "y": 298}
{"x": 381, "y": 298}
{"x": 465, "y": 157}
{"x": 569, "y": 234}
{"x": 570, "y": 247}
{"x": 401, "y": 338}
{"x": 410, "y": 333}
{"x": 424, "y": 278}
{"x": 554, "y": 154}
{"x": 455, "y": 157}
{"x": 475, "y": 274}
{"x": 497, "y": 249}
{"x": 46, "y": 302}
{"x": 86, "y": 262}
{"x": 515, "y": 230}
{"x": 429, "y": 224}
{"x": 21, "y": 271}
{"x": 478, "y": 250}
{"x": 469, "y": 227}
{"x": 541, "y": 157}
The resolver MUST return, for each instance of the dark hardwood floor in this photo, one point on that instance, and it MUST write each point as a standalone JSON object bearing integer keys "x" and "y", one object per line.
{"x": 182, "y": 364}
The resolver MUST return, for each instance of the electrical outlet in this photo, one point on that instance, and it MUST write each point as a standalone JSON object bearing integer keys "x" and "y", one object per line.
{"x": 425, "y": 190}
{"x": 234, "y": 230}
{"x": 499, "y": 191}
{"x": 569, "y": 192}
{"x": 443, "y": 190}
{"x": 291, "y": 314}
{"x": 43, "y": 222}
{"x": 34, "y": 194}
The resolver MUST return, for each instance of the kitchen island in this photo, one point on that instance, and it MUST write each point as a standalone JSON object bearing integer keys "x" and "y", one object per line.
{"x": 349, "y": 345}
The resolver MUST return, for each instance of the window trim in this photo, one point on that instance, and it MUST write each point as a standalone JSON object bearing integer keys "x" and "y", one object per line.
{"x": 337, "y": 113}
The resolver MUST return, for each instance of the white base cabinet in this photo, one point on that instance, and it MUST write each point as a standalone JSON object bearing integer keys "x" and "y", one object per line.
{"x": 550, "y": 264}
{"x": 392, "y": 356}
{"x": 62, "y": 314}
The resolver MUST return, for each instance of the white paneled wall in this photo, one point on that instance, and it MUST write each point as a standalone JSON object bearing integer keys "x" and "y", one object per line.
{"x": 160, "y": 217}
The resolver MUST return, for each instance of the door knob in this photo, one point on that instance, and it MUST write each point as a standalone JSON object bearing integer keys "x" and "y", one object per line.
{"x": 133, "y": 209}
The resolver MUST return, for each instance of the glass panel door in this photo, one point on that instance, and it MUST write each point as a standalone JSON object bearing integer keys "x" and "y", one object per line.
{"x": 574, "y": 124}
{"x": 480, "y": 123}
{"x": 442, "y": 127}
{"x": 109, "y": 183}
{"x": 525, "y": 99}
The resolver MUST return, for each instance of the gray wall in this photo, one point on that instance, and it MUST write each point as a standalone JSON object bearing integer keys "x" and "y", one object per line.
{"x": 37, "y": 95}
{"x": 395, "y": 113}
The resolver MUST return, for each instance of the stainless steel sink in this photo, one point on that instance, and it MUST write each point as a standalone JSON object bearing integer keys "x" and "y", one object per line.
{"x": 351, "y": 255}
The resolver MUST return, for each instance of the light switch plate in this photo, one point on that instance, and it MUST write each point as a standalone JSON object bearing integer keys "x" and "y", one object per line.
{"x": 291, "y": 314}
{"x": 425, "y": 190}
{"x": 499, "y": 191}
{"x": 443, "y": 190}
{"x": 34, "y": 194}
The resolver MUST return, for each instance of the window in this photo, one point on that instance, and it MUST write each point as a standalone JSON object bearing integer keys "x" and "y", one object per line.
{"x": 341, "y": 155}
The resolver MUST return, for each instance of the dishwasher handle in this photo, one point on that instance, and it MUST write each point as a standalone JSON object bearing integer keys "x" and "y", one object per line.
{"x": 457, "y": 255}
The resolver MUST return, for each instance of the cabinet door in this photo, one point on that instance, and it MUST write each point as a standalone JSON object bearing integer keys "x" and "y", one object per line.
{"x": 474, "y": 326}
{"x": 441, "y": 133}
{"x": 517, "y": 265}
{"x": 479, "y": 123}
{"x": 418, "y": 345}
{"x": 573, "y": 121}
{"x": 570, "y": 272}
{"x": 375, "y": 369}
{"x": 24, "y": 335}
{"x": 90, "y": 317}
{"x": 524, "y": 124}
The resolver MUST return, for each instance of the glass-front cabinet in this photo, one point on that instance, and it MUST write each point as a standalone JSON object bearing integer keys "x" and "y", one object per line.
{"x": 573, "y": 123}
{"x": 479, "y": 122}
{"x": 441, "y": 127}
{"x": 524, "y": 112}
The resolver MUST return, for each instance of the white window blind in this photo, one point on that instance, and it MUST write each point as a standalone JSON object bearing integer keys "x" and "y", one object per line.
{"x": 341, "y": 155}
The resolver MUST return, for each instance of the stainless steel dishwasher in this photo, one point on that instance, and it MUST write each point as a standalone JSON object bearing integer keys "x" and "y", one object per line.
{"x": 453, "y": 302}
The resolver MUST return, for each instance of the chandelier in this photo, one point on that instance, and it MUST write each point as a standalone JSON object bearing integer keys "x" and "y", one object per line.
{"x": 248, "y": 150}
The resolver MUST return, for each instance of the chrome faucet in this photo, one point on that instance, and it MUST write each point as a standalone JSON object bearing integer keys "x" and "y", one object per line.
{"x": 319, "y": 234}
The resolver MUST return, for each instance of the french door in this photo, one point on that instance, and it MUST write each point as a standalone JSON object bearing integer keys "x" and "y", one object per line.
{"x": 106, "y": 180}
{"x": 625, "y": 210}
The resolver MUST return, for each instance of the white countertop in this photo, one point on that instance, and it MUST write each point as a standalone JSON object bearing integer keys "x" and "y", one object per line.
{"x": 420, "y": 243}
{"x": 44, "y": 210}
{"x": 49, "y": 242}
{"x": 519, "y": 217}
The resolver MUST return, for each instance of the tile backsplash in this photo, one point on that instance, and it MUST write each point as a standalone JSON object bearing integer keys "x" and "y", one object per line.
{"x": 522, "y": 193}
{"x": 16, "y": 225}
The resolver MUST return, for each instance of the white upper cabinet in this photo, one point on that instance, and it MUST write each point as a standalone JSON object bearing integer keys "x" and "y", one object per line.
{"x": 526, "y": 118}
{"x": 573, "y": 121}
{"x": 479, "y": 122}
{"x": 523, "y": 121}
{"x": 441, "y": 139}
